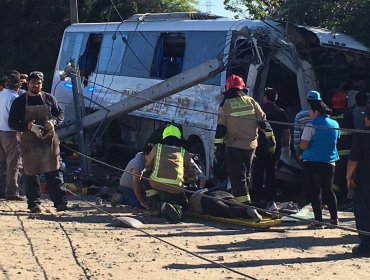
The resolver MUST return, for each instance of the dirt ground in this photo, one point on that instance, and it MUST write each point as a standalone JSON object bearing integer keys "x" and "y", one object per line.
{"x": 82, "y": 244}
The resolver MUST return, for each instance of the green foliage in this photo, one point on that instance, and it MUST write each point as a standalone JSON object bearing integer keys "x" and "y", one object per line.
{"x": 347, "y": 16}
{"x": 31, "y": 30}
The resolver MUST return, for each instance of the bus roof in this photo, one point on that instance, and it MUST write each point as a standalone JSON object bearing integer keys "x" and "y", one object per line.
{"x": 221, "y": 24}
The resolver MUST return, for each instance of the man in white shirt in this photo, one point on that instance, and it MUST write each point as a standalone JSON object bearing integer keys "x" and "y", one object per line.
{"x": 9, "y": 145}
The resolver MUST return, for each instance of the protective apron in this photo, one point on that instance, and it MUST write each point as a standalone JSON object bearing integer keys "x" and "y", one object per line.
{"x": 39, "y": 155}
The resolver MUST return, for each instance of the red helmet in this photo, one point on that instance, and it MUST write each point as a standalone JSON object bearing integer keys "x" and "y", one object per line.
{"x": 339, "y": 100}
{"x": 234, "y": 81}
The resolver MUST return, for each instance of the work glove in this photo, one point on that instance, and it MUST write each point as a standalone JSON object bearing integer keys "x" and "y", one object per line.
{"x": 219, "y": 151}
{"x": 48, "y": 130}
{"x": 219, "y": 161}
{"x": 38, "y": 130}
{"x": 49, "y": 125}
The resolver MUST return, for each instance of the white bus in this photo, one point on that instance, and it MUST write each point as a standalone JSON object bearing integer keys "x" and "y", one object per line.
{"x": 126, "y": 57}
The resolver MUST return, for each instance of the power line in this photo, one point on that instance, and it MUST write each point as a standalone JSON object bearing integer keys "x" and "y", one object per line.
{"x": 350, "y": 130}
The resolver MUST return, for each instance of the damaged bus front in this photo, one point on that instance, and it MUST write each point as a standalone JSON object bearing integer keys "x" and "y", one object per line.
{"x": 118, "y": 60}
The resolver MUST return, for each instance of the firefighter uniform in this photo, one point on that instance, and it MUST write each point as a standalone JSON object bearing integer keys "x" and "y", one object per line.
{"x": 239, "y": 134}
{"x": 171, "y": 167}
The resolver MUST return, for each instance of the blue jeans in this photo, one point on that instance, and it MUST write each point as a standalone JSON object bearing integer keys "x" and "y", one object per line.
{"x": 55, "y": 183}
{"x": 129, "y": 197}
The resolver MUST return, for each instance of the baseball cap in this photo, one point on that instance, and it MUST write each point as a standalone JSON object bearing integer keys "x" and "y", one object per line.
{"x": 313, "y": 95}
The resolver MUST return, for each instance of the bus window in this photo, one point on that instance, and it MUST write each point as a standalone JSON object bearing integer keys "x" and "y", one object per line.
{"x": 202, "y": 46}
{"x": 71, "y": 48}
{"x": 139, "y": 53}
{"x": 111, "y": 54}
{"x": 88, "y": 60}
{"x": 169, "y": 55}
{"x": 242, "y": 56}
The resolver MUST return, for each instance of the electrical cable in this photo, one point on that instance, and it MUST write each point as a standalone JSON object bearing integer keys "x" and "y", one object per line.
{"x": 231, "y": 202}
{"x": 350, "y": 130}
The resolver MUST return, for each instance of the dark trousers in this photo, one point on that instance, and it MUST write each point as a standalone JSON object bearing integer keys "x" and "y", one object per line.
{"x": 319, "y": 177}
{"x": 362, "y": 215}
{"x": 174, "y": 198}
{"x": 226, "y": 208}
{"x": 239, "y": 162}
{"x": 340, "y": 177}
{"x": 129, "y": 197}
{"x": 263, "y": 187}
{"x": 10, "y": 162}
{"x": 55, "y": 183}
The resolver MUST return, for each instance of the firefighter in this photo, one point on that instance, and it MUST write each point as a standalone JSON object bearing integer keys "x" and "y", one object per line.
{"x": 345, "y": 120}
{"x": 170, "y": 166}
{"x": 239, "y": 118}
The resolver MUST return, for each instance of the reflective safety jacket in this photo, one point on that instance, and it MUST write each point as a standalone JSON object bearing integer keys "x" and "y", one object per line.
{"x": 238, "y": 120}
{"x": 171, "y": 166}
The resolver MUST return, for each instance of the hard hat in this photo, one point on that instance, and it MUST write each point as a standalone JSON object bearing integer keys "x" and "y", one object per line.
{"x": 171, "y": 130}
{"x": 339, "y": 100}
{"x": 313, "y": 95}
{"x": 234, "y": 81}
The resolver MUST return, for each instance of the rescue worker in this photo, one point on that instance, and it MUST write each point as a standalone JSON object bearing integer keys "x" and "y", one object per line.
{"x": 170, "y": 166}
{"x": 36, "y": 114}
{"x": 263, "y": 189}
{"x": 344, "y": 118}
{"x": 358, "y": 180}
{"x": 239, "y": 118}
{"x": 130, "y": 191}
{"x": 275, "y": 113}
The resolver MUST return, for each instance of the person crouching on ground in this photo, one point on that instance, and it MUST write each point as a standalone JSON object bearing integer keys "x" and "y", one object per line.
{"x": 36, "y": 114}
{"x": 320, "y": 153}
{"x": 358, "y": 181}
{"x": 170, "y": 166}
{"x": 130, "y": 191}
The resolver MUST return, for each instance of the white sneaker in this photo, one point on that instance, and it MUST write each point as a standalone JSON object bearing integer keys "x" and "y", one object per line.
{"x": 274, "y": 210}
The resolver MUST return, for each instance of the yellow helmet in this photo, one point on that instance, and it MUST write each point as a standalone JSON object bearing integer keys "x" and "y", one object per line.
{"x": 171, "y": 130}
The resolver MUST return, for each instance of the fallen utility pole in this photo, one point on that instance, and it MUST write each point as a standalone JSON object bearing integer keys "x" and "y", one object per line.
{"x": 175, "y": 84}
{"x": 73, "y": 72}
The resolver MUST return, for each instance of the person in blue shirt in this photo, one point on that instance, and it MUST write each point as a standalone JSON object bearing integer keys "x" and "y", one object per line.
{"x": 319, "y": 145}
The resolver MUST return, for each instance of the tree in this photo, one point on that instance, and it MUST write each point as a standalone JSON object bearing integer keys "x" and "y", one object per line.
{"x": 31, "y": 30}
{"x": 347, "y": 16}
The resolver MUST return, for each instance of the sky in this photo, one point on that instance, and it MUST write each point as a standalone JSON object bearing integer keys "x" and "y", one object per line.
{"x": 216, "y": 7}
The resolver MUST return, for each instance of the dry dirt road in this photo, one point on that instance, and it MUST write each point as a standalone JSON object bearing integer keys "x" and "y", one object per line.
{"x": 81, "y": 244}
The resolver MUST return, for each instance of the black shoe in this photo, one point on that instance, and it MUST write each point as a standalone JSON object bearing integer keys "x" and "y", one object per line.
{"x": 315, "y": 226}
{"x": 2, "y": 195}
{"x": 14, "y": 197}
{"x": 116, "y": 199}
{"x": 173, "y": 213}
{"x": 359, "y": 251}
{"x": 61, "y": 207}
{"x": 36, "y": 209}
